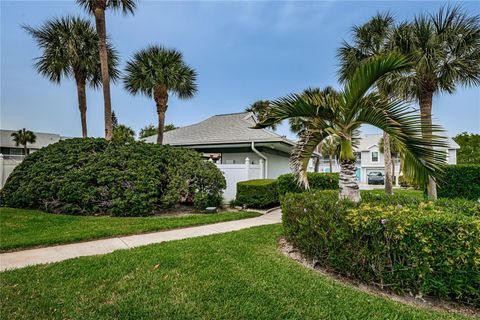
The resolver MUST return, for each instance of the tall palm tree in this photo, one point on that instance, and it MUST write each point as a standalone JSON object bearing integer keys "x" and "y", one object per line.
{"x": 342, "y": 114}
{"x": 69, "y": 49}
{"x": 394, "y": 152}
{"x": 97, "y": 8}
{"x": 260, "y": 109}
{"x": 445, "y": 49}
{"x": 22, "y": 137}
{"x": 369, "y": 39}
{"x": 157, "y": 72}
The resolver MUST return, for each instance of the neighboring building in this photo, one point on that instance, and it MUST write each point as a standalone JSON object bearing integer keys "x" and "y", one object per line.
{"x": 11, "y": 154}
{"x": 370, "y": 159}
{"x": 239, "y": 151}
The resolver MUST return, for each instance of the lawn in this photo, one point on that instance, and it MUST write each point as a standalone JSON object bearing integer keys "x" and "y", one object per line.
{"x": 237, "y": 275}
{"x": 29, "y": 228}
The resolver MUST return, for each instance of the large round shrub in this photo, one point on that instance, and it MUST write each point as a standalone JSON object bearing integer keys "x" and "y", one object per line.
{"x": 424, "y": 248}
{"x": 90, "y": 176}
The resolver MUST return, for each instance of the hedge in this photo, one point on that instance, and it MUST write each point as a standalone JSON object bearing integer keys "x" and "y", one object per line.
{"x": 460, "y": 181}
{"x": 404, "y": 249}
{"x": 94, "y": 176}
{"x": 260, "y": 193}
{"x": 317, "y": 181}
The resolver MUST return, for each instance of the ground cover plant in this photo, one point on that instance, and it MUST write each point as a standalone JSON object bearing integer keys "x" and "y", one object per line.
{"x": 90, "y": 176}
{"x": 27, "y": 228}
{"x": 237, "y": 275}
{"x": 405, "y": 246}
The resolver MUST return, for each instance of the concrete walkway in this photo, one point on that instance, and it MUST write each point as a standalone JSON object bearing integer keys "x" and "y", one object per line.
{"x": 20, "y": 259}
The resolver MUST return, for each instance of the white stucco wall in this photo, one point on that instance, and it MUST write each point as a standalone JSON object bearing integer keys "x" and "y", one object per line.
{"x": 452, "y": 156}
{"x": 277, "y": 165}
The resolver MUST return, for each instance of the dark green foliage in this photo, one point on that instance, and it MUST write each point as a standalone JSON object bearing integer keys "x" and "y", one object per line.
{"x": 88, "y": 176}
{"x": 261, "y": 193}
{"x": 317, "y": 181}
{"x": 469, "y": 151}
{"x": 419, "y": 249}
{"x": 460, "y": 181}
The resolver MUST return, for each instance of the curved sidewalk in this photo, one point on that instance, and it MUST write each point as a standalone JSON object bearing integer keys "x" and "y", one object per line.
{"x": 20, "y": 259}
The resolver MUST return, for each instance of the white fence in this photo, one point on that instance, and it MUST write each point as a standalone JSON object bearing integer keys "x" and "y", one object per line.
{"x": 234, "y": 173}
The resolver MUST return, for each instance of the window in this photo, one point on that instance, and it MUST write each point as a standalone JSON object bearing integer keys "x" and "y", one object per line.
{"x": 374, "y": 156}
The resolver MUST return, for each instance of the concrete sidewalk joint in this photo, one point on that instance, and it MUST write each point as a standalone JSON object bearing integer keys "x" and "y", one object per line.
{"x": 20, "y": 259}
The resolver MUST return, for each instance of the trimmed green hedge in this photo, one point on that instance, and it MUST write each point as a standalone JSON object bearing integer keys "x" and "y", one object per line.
{"x": 260, "y": 193}
{"x": 418, "y": 249}
{"x": 460, "y": 181}
{"x": 90, "y": 176}
{"x": 317, "y": 181}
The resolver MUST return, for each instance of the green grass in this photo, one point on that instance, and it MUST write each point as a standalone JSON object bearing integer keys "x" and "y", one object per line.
{"x": 28, "y": 228}
{"x": 237, "y": 275}
{"x": 400, "y": 192}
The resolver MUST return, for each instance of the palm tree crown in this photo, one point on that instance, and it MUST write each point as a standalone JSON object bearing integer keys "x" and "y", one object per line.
{"x": 22, "y": 137}
{"x": 126, "y": 6}
{"x": 342, "y": 114}
{"x": 69, "y": 50}
{"x": 156, "y": 72}
{"x": 260, "y": 109}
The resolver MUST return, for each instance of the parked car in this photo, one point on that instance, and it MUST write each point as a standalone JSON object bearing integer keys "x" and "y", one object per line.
{"x": 375, "y": 177}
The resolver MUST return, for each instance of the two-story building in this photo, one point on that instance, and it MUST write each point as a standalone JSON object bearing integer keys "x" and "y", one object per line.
{"x": 370, "y": 159}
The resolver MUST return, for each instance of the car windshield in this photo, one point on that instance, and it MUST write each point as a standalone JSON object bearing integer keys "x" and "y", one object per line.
{"x": 378, "y": 174}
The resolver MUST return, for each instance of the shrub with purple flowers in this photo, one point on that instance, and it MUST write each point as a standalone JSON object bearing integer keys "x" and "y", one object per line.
{"x": 424, "y": 248}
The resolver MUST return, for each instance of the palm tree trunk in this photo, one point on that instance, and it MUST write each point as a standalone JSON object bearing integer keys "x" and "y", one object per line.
{"x": 387, "y": 156}
{"x": 102, "y": 48}
{"x": 317, "y": 164}
{"x": 425, "y": 101}
{"x": 82, "y": 101}
{"x": 348, "y": 181}
{"x": 394, "y": 179}
{"x": 348, "y": 178}
{"x": 161, "y": 98}
{"x": 25, "y": 149}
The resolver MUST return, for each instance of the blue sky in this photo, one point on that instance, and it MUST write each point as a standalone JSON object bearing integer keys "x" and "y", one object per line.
{"x": 242, "y": 51}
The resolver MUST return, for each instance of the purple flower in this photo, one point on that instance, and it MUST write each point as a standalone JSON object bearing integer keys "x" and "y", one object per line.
{"x": 383, "y": 221}
{"x": 399, "y": 206}
{"x": 304, "y": 210}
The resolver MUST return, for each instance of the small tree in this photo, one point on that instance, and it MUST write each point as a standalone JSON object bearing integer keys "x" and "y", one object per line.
{"x": 123, "y": 134}
{"x": 22, "y": 137}
{"x": 469, "y": 151}
{"x": 331, "y": 149}
{"x": 157, "y": 72}
{"x": 260, "y": 109}
{"x": 114, "y": 120}
{"x": 394, "y": 151}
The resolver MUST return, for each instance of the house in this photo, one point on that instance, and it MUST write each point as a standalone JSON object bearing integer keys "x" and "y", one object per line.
{"x": 370, "y": 159}
{"x": 11, "y": 155}
{"x": 240, "y": 152}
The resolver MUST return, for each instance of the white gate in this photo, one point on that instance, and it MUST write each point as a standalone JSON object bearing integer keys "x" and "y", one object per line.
{"x": 234, "y": 173}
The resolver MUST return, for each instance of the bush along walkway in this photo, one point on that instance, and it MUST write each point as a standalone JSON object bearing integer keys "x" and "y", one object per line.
{"x": 19, "y": 259}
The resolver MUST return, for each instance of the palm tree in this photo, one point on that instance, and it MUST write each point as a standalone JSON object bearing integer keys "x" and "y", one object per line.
{"x": 260, "y": 109}
{"x": 69, "y": 49}
{"x": 22, "y": 137}
{"x": 370, "y": 39}
{"x": 394, "y": 151}
{"x": 445, "y": 49}
{"x": 156, "y": 72}
{"x": 97, "y": 8}
{"x": 330, "y": 149}
{"x": 342, "y": 114}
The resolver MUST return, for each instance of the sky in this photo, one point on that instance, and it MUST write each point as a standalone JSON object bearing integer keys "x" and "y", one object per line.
{"x": 243, "y": 51}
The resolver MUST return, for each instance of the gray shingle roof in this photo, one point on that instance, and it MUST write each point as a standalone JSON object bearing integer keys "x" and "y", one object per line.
{"x": 219, "y": 129}
{"x": 369, "y": 140}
